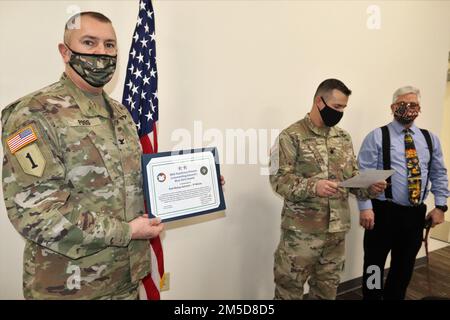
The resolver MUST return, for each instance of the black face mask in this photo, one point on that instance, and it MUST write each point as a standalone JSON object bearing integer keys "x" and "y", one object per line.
{"x": 330, "y": 116}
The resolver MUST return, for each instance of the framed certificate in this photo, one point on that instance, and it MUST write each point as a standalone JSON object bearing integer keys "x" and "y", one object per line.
{"x": 182, "y": 184}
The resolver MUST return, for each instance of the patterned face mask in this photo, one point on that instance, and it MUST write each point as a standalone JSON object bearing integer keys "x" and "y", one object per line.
{"x": 406, "y": 112}
{"x": 95, "y": 69}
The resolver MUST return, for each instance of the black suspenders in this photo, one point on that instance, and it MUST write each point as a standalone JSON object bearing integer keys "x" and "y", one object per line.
{"x": 386, "y": 145}
{"x": 427, "y": 136}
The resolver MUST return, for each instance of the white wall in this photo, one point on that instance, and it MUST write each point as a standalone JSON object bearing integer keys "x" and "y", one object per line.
{"x": 240, "y": 64}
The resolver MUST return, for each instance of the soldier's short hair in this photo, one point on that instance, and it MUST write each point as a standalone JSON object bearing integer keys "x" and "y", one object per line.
{"x": 75, "y": 20}
{"x": 329, "y": 85}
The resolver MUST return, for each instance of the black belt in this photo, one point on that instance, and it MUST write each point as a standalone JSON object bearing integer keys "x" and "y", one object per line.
{"x": 399, "y": 205}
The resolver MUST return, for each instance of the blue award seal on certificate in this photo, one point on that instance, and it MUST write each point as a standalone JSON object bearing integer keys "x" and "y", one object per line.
{"x": 182, "y": 184}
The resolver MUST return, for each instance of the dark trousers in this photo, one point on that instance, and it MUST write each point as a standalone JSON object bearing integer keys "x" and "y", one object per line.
{"x": 398, "y": 229}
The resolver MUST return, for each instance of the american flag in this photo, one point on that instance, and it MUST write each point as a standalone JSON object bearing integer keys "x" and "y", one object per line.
{"x": 140, "y": 96}
{"x": 22, "y": 138}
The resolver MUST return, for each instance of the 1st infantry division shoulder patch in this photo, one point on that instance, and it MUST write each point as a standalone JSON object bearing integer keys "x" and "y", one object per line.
{"x": 29, "y": 156}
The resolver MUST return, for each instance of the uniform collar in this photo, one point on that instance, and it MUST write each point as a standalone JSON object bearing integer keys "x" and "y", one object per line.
{"x": 398, "y": 127}
{"x": 323, "y": 131}
{"x": 118, "y": 109}
{"x": 88, "y": 107}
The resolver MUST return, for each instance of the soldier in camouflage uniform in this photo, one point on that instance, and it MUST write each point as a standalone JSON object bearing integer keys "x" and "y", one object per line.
{"x": 310, "y": 157}
{"x": 72, "y": 178}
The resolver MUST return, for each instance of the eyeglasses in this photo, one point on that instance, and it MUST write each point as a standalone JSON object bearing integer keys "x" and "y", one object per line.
{"x": 409, "y": 105}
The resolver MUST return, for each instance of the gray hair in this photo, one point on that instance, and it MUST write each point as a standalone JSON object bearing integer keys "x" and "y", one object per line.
{"x": 405, "y": 90}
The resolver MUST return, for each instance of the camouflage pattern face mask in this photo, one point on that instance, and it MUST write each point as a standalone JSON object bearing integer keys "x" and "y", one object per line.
{"x": 95, "y": 69}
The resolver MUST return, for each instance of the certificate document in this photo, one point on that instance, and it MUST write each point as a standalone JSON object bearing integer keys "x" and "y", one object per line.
{"x": 366, "y": 178}
{"x": 182, "y": 184}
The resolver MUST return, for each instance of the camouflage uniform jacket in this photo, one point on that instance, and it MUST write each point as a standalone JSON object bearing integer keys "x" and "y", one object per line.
{"x": 73, "y": 215}
{"x": 304, "y": 155}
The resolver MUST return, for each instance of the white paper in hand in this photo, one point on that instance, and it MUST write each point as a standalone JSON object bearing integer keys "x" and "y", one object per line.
{"x": 366, "y": 178}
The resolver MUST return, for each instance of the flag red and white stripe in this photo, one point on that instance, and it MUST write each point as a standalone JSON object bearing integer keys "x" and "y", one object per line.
{"x": 20, "y": 139}
{"x": 140, "y": 96}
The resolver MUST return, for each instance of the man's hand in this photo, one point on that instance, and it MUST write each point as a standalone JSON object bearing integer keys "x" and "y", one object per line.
{"x": 222, "y": 180}
{"x": 326, "y": 188}
{"x": 145, "y": 228}
{"x": 367, "y": 219}
{"x": 377, "y": 188}
{"x": 436, "y": 215}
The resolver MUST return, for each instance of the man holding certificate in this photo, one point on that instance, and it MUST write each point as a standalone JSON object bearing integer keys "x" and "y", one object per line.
{"x": 311, "y": 158}
{"x": 72, "y": 179}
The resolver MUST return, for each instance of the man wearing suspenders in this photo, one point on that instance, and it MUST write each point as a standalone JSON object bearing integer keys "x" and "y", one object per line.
{"x": 394, "y": 222}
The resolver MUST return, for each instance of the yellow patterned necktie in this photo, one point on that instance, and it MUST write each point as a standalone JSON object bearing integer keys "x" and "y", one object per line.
{"x": 412, "y": 164}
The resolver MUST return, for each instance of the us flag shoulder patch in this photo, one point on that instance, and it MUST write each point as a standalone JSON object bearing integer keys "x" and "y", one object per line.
{"x": 21, "y": 138}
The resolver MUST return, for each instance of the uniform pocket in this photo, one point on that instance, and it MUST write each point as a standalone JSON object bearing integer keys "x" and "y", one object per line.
{"x": 309, "y": 161}
{"x": 87, "y": 170}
